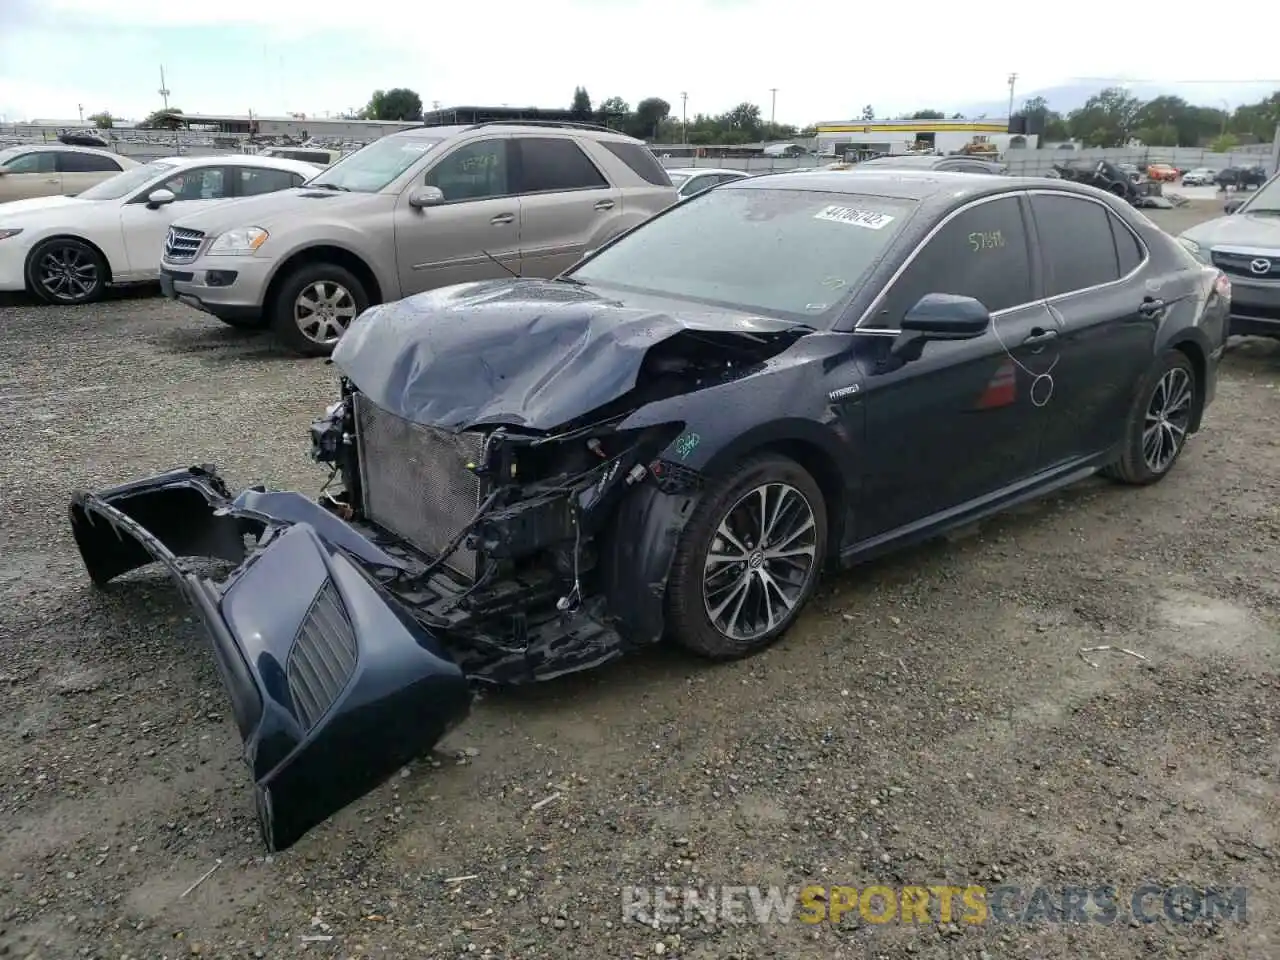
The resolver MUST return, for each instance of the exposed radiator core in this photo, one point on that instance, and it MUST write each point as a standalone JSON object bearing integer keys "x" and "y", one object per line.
{"x": 415, "y": 481}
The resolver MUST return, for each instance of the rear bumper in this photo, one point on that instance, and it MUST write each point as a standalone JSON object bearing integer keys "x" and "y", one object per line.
{"x": 333, "y": 686}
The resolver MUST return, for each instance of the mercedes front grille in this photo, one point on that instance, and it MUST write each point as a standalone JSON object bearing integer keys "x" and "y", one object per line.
{"x": 181, "y": 245}
{"x": 416, "y": 482}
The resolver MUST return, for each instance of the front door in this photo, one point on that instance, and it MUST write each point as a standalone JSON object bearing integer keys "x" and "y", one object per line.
{"x": 960, "y": 421}
{"x": 458, "y": 241}
{"x": 566, "y": 204}
{"x": 145, "y": 227}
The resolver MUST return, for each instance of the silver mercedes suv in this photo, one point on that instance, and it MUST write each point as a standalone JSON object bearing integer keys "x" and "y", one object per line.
{"x": 415, "y": 210}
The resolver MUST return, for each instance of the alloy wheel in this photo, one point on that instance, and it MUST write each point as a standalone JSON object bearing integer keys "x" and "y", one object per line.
{"x": 1168, "y": 415}
{"x": 67, "y": 273}
{"x": 323, "y": 311}
{"x": 760, "y": 562}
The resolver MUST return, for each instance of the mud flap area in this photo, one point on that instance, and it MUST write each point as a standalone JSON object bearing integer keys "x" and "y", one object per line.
{"x": 333, "y": 685}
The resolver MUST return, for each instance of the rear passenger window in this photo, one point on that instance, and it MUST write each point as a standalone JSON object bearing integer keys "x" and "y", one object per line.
{"x": 1075, "y": 236}
{"x": 256, "y": 180}
{"x": 69, "y": 162}
{"x": 1128, "y": 247}
{"x": 982, "y": 253}
{"x": 554, "y": 164}
{"x": 641, "y": 161}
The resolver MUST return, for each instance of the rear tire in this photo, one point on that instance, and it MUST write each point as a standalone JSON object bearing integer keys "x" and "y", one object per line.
{"x": 67, "y": 272}
{"x": 1158, "y": 422}
{"x": 315, "y": 305}
{"x": 749, "y": 559}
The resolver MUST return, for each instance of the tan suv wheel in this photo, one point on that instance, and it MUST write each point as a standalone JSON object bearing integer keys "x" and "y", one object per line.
{"x": 315, "y": 305}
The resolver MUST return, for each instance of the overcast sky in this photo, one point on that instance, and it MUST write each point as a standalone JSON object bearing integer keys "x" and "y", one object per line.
{"x": 826, "y": 57}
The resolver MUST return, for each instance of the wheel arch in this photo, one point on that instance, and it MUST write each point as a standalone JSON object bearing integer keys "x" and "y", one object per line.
{"x": 324, "y": 253}
{"x": 43, "y": 241}
{"x": 1195, "y": 352}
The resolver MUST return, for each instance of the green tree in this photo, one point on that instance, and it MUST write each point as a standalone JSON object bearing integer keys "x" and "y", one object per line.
{"x": 1108, "y": 118}
{"x": 1050, "y": 122}
{"x": 1224, "y": 143}
{"x": 103, "y": 120}
{"x": 744, "y": 118}
{"x": 581, "y": 107}
{"x": 1257, "y": 120}
{"x": 615, "y": 106}
{"x": 162, "y": 120}
{"x": 648, "y": 117}
{"x": 398, "y": 103}
{"x": 927, "y": 115}
{"x": 868, "y": 112}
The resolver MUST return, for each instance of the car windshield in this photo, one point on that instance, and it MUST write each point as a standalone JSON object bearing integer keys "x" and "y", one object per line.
{"x": 125, "y": 183}
{"x": 371, "y": 168}
{"x": 799, "y": 255}
{"x": 9, "y": 154}
{"x": 677, "y": 178}
{"x": 1266, "y": 200}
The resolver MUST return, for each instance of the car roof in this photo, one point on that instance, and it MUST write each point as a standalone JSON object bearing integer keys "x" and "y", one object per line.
{"x": 240, "y": 160}
{"x": 513, "y": 126}
{"x": 694, "y": 171}
{"x": 906, "y": 184}
{"x": 44, "y": 147}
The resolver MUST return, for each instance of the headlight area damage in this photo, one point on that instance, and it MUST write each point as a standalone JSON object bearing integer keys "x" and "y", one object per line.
{"x": 532, "y": 544}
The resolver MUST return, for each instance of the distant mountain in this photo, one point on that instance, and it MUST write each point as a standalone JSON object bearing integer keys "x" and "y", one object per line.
{"x": 1072, "y": 96}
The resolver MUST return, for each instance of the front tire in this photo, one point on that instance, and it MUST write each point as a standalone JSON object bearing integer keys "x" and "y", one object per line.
{"x": 67, "y": 272}
{"x": 748, "y": 560}
{"x": 1156, "y": 430}
{"x": 315, "y": 305}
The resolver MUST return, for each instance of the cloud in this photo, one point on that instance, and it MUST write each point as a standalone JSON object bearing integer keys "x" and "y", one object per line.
{"x": 826, "y": 57}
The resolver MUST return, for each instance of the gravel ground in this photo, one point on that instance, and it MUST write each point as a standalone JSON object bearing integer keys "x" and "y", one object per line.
{"x": 929, "y": 721}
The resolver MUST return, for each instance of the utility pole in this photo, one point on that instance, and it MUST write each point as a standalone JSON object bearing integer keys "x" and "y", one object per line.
{"x": 163, "y": 91}
{"x": 684, "y": 117}
{"x": 81, "y": 106}
{"x": 1013, "y": 79}
{"x": 773, "y": 105}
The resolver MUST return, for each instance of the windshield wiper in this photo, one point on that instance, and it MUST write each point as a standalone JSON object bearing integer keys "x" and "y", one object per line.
{"x": 329, "y": 186}
{"x": 1274, "y": 211}
{"x": 573, "y": 281}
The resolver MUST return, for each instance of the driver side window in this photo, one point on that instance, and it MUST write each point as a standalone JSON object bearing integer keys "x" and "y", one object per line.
{"x": 982, "y": 253}
{"x": 41, "y": 161}
{"x": 476, "y": 171}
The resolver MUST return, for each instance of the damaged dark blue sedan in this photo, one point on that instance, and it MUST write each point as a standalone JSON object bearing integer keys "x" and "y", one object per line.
{"x": 673, "y": 439}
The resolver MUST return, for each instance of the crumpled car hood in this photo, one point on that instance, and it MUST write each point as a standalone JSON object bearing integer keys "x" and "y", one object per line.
{"x": 1262, "y": 230}
{"x": 527, "y": 353}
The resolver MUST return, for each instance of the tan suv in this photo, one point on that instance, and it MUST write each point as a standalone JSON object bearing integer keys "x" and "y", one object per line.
{"x": 55, "y": 171}
{"x": 412, "y": 211}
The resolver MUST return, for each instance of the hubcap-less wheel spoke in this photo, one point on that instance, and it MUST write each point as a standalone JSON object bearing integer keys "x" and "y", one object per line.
{"x": 760, "y": 561}
{"x": 1168, "y": 416}
{"x": 324, "y": 310}
{"x": 67, "y": 274}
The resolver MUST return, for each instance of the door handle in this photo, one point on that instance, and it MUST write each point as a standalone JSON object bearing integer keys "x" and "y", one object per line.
{"x": 54, "y": 180}
{"x": 1150, "y": 307}
{"x": 503, "y": 218}
{"x": 604, "y": 205}
{"x": 1039, "y": 335}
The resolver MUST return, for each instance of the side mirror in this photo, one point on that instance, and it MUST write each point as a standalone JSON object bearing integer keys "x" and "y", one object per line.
{"x": 3, "y": 172}
{"x": 945, "y": 316}
{"x": 422, "y": 197}
{"x": 1231, "y": 206}
{"x": 159, "y": 198}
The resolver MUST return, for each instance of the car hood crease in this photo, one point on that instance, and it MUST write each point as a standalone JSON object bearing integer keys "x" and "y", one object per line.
{"x": 524, "y": 353}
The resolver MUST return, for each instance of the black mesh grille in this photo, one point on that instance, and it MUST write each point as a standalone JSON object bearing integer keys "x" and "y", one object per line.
{"x": 416, "y": 481}
{"x": 322, "y": 658}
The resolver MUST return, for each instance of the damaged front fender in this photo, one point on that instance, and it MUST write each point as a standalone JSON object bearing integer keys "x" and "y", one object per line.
{"x": 333, "y": 686}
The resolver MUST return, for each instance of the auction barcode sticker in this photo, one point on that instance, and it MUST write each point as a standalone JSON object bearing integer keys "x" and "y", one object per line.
{"x": 858, "y": 218}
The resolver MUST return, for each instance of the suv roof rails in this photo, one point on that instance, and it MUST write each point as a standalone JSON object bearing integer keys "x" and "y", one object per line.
{"x": 563, "y": 124}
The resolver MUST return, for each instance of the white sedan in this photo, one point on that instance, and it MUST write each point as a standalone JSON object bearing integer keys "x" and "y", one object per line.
{"x": 66, "y": 250}
{"x": 693, "y": 180}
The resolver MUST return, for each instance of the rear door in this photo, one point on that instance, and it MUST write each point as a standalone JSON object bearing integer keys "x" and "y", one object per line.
{"x": 144, "y": 227}
{"x": 567, "y": 205}
{"x": 28, "y": 175}
{"x": 1091, "y": 261}
{"x": 80, "y": 171}
{"x": 479, "y": 222}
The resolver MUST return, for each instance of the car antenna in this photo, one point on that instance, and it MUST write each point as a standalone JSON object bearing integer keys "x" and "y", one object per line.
{"x": 501, "y": 264}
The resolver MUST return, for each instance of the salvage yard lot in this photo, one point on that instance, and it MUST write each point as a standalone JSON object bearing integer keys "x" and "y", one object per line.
{"x": 930, "y": 720}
